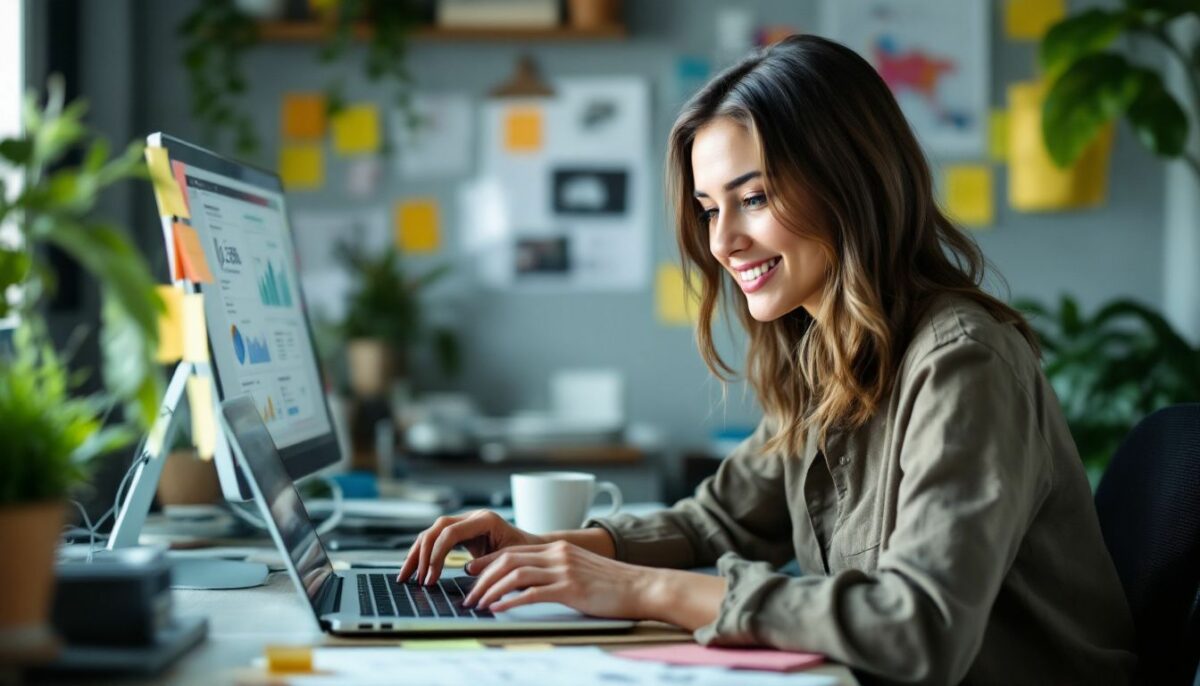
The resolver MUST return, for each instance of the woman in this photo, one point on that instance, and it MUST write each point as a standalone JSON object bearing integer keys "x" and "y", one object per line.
{"x": 913, "y": 458}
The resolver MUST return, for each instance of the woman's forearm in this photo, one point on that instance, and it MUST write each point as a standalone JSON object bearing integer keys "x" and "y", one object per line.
{"x": 595, "y": 539}
{"x": 686, "y": 599}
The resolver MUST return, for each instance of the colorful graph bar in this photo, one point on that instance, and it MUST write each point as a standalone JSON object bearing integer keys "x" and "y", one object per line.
{"x": 273, "y": 287}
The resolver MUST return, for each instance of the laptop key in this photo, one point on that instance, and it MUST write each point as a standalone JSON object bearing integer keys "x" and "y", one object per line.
{"x": 404, "y": 603}
{"x": 440, "y": 602}
{"x": 383, "y": 598}
{"x": 365, "y": 606}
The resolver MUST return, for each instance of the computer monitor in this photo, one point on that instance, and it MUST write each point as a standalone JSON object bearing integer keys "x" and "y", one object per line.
{"x": 260, "y": 339}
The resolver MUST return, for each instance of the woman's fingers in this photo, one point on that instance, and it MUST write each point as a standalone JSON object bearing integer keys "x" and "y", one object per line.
{"x": 424, "y": 542}
{"x": 452, "y": 535}
{"x": 410, "y": 560}
{"x": 550, "y": 593}
{"x": 480, "y": 564}
{"x": 515, "y": 580}
{"x": 503, "y": 564}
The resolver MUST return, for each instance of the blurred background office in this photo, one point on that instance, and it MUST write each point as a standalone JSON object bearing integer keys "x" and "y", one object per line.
{"x": 476, "y": 196}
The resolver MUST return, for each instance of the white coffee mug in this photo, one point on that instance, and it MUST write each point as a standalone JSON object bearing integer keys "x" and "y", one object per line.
{"x": 553, "y": 501}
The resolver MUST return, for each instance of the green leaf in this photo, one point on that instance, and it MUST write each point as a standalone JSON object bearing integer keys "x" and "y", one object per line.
{"x": 1089, "y": 94}
{"x": 16, "y": 150}
{"x": 130, "y": 371}
{"x": 1157, "y": 118}
{"x": 14, "y": 268}
{"x": 1079, "y": 35}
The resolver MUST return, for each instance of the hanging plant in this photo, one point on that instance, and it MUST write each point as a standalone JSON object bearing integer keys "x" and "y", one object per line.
{"x": 215, "y": 36}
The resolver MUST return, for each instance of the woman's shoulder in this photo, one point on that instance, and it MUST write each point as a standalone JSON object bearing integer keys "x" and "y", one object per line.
{"x": 958, "y": 322}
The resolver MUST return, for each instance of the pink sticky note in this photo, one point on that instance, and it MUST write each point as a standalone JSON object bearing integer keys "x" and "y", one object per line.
{"x": 734, "y": 658}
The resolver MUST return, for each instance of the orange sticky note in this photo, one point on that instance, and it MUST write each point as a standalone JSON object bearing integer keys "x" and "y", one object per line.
{"x": 302, "y": 167}
{"x": 294, "y": 659}
{"x": 166, "y": 190}
{"x": 1030, "y": 19}
{"x": 177, "y": 170}
{"x": 192, "y": 261}
{"x": 356, "y": 130}
{"x": 523, "y": 130}
{"x": 417, "y": 225}
{"x": 195, "y": 328}
{"x": 303, "y": 116}
{"x": 170, "y": 325}
{"x": 968, "y": 193}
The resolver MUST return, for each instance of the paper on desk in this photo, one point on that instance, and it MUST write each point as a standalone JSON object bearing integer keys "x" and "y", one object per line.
{"x": 734, "y": 658}
{"x": 586, "y": 667}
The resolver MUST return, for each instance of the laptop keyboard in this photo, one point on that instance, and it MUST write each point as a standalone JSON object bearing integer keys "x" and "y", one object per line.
{"x": 380, "y": 595}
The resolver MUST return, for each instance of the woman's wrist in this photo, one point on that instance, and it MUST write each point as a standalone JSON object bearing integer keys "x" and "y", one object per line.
{"x": 685, "y": 599}
{"x": 594, "y": 539}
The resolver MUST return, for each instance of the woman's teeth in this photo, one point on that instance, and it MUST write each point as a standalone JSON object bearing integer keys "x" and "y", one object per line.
{"x": 754, "y": 273}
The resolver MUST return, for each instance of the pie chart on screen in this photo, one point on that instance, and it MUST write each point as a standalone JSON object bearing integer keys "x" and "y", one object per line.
{"x": 239, "y": 346}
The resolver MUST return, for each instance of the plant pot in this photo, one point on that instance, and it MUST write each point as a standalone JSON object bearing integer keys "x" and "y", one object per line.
{"x": 29, "y": 538}
{"x": 188, "y": 480}
{"x": 593, "y": 14}
{"x": 371, "y": 362}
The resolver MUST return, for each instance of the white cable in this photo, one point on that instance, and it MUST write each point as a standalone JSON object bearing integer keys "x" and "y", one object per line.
{"x": 330, "y": 523}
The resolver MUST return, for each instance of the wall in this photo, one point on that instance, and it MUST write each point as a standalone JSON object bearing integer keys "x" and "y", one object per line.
{"x": 514, "y": 342}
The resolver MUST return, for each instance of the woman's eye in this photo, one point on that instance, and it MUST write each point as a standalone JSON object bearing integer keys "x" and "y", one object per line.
{"x": 707, "y": 216}
{"x": 755, "y": 201}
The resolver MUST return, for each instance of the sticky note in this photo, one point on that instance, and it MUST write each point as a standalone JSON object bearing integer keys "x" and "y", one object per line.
{"x": 302, "y": 166}
{"x": 178, "y": 171}
{"x": 968, "y": 193}
{"x": 166, "y": 191}
{"x": 998, "y": 135}
{"x": 523, "y": 130}
{"x": 528, "y": 647}
{"x": 1035, "y": 182}
{"x": 303, "y": 116}
{"x": 204, "y": 421}
{"x": 356, "y": 130}
{"x": 170, "y": 325}
{"x": 730, "y": 658}
{"x": 294, "y": 659}
{"x": 417, "y": 225}
{"x": 193, "y": 265}
{"x": 674, "y": 305}
{"x": 456, "y": 558}
{"x": 1030, "y": 19}
{"x": 195, "y": 330}
{"x": 443, "y": 644}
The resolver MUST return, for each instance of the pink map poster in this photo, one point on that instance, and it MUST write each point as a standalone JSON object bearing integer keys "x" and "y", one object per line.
{"x": 933, "y": 54}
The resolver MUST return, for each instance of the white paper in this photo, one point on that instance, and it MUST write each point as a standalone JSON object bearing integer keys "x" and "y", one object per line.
{"x": 363, "y": 176}
{"x": 585, "y": 667}
{"x": 441, "y": 145}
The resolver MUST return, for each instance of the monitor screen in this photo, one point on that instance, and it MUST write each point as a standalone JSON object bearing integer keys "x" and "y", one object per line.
{"x": 259, "y": 335}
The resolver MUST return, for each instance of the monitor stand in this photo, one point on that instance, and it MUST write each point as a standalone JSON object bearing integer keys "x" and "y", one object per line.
{"x": 191, "y": 572}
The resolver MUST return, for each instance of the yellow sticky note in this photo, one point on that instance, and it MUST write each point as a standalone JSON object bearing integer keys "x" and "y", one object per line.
{"x": 204, "y": 421}
{"x": 998, "y": 135}
{"x": 968, "y": 193}
{"x": 293, "y": 659}
{"x": 674, "y": 305}
{"x": 444, "y": 644}
{"x": 456, "y": 558}
{"x": 1035, "y": 183}
{"x": 356, "y": 130}
{"x": 195, "y": 330}
{"x": 166, "y": 190}
{"x": 523, "y": 130}
{"x": 416, "y": 222}
{"x": 302, "y": 167}
{"x": 193, "y": 265}
{"x": 170, "y": 325}
{"x": 303, "y": 116}
{"x": 529, "y": 647}
{"x": 1030, "y": 19}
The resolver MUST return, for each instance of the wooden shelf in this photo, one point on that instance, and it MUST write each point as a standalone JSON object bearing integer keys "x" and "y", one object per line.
{"x": 312, "y": 32}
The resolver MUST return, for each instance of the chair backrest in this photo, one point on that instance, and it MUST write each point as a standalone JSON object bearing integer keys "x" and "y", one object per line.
{"x": 1149, "y": 508}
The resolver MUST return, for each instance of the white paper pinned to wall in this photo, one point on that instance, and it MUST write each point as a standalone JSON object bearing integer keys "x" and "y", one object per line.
{"x": 441, "y": 144}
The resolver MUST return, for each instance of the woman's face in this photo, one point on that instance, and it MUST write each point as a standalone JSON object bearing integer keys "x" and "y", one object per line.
{"x": 777, "y": 270}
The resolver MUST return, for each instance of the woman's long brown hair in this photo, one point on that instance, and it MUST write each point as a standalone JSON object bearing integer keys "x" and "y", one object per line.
{"x": 842, "y": 167}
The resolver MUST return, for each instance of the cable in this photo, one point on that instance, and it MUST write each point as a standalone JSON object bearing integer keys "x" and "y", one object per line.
{"x": 330, "y": 523}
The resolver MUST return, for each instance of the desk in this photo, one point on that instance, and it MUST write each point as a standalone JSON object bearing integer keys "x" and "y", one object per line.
{"x": 242, "y": 623}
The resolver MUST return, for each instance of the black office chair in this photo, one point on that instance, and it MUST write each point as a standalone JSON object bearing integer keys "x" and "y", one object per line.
{"x": 1149, "y": 507}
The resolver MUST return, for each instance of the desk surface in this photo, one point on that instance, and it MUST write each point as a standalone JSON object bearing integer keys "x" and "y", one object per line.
{"x": 242, "y": 623}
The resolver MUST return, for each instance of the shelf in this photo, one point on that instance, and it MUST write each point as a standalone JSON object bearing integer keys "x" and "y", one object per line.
{"x": 312, "y": 32}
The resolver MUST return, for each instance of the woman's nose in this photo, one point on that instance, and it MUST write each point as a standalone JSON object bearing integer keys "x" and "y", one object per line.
{"x": 726, "y": 236}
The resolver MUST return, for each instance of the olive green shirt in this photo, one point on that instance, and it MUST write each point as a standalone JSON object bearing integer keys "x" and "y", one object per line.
{"x": 951, "y": 539}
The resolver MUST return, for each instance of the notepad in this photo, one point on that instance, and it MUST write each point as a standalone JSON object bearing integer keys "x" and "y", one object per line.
{"x": 732, "y": 658}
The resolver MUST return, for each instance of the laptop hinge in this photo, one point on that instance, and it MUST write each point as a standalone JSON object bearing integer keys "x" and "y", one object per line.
{"x": 330, "y": 598}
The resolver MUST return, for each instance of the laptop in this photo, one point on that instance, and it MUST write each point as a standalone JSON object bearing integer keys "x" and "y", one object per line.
{"x": 369, "y": 601}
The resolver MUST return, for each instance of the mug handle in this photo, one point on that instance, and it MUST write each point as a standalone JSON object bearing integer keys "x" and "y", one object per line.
{"x": 613, "y": 492}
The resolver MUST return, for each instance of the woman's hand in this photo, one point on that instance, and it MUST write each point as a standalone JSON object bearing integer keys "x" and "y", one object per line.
{"x": 561, "y": 572}
{"x": 482, "y": 533}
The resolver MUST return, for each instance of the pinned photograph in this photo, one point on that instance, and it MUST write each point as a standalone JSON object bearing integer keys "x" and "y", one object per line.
{"x": 591, "y": 191}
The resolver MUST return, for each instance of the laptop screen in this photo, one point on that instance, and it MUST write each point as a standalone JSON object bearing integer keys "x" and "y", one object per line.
{"x": 277, "y": 497}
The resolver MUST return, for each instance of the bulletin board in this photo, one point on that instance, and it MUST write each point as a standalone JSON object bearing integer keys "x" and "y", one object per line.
{"x": 562, "y": 201}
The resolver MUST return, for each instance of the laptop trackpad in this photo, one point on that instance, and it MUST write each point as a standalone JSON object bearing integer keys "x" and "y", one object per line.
{"x": 542, "y": 612}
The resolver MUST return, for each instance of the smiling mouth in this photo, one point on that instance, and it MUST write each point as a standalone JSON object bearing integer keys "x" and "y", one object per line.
{"x": 752, "y": 279}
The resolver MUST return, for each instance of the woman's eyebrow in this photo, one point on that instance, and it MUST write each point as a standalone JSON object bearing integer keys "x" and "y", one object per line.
{"x": 734, "y": 183}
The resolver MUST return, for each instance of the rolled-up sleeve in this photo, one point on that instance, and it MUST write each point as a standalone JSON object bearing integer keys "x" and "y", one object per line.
{"x": 976, "y": 469}
{"x": 742, "y": 508}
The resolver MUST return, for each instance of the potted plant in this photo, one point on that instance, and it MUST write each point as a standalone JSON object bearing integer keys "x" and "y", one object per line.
{"x": 383, "y": 320}
{"x": 187, "y": 478}
{"x": 1111, "y": 369}
{"x": 1092, "y": 85}
{"x": 49, "y": 432}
